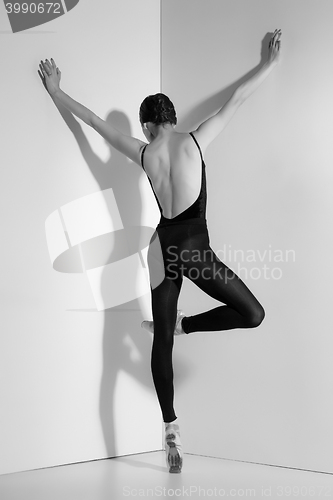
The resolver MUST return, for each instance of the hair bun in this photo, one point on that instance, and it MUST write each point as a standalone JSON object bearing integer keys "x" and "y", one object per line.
{"x": 161, "y": 109}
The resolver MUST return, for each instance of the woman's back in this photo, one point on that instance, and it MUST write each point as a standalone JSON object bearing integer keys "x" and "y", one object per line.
{"x": 174, "y": 166}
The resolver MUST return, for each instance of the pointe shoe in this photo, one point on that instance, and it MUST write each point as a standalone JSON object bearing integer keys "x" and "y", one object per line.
{"x": 178, "y": 328}
{"x": 149, "y": 325}
{"x": 173, "y": 448}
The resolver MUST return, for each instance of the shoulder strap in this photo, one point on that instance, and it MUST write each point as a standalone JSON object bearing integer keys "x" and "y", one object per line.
{"x": 191, "y": 134}
{"x": 142, "y": 152}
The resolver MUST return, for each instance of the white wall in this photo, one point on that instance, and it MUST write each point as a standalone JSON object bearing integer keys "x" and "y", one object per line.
{"x": 262, "y": 395}
{"x": 75, "y": 382}
{"x": 73, "y": 378}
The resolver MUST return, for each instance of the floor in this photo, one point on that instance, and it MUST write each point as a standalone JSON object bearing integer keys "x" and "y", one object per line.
{"x": 145, "y": 476}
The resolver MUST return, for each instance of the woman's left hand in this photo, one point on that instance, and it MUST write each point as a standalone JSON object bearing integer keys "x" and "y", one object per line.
{"x": 50, "y": 75}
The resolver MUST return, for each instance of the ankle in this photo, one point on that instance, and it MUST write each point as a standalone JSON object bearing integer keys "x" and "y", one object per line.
{"x": 176, "y": 422}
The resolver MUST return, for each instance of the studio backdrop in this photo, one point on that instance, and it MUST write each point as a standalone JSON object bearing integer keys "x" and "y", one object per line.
{"x": 75, "y": 379}
{"x": 263, "y": 394}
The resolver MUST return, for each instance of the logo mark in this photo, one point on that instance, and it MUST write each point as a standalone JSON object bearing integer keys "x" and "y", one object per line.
{"x": 23, "y": 15}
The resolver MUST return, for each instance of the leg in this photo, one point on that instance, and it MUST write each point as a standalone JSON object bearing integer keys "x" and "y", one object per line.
{"x": 164, "y": 308}
{"x": 164, "y": 294}
{"x": 242, "y": 309}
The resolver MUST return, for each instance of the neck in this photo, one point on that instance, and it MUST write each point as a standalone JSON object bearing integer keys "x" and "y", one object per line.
{"x": 163, "y": 130}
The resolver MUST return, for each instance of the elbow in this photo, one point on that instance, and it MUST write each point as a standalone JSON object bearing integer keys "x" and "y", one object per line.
{"x": 92, "y": 120}
{"x": 240, "y": 95}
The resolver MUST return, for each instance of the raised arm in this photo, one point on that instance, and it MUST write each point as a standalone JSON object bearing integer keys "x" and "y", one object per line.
{"x": 127, "y": 145}
{"x": 212, "y": 127}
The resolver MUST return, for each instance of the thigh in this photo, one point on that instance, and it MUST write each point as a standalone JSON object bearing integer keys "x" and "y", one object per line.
{"x": 165, "y": 283}
{"x": 164, "y": 300}
{"x": 155, "y": 261}
{"x": 216, "y": 279}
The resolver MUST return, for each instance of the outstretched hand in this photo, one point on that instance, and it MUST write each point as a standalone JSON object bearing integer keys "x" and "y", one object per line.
{"x": 50, "y": 75}
{"x": 274, "y": 47}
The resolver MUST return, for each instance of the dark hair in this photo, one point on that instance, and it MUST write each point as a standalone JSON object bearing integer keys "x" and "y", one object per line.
{"x": 157, "y": 109}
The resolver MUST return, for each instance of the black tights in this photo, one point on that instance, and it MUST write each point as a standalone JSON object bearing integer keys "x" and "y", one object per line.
{"x": 183, "y": 250}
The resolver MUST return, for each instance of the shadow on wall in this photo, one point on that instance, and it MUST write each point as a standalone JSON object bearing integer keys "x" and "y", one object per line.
{"x": 212, "y": 104}
{"x": 126, "y": 346}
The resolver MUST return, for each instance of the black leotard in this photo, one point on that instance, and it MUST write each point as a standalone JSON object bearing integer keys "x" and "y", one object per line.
{"x": 181, "y": 247}
{"x": 197, "y": 210}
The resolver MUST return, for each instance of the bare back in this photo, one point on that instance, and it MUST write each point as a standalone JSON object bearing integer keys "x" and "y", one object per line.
{"x": 173, "y": 164}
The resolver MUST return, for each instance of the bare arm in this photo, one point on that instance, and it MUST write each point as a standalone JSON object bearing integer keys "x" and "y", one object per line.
{"x": 75, "y": 107}
{"x": 127, "y": 145}
{"x": 212, "y": 127}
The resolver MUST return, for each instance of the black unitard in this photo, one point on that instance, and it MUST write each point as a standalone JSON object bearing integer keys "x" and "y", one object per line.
{"x": 180, "y": 247}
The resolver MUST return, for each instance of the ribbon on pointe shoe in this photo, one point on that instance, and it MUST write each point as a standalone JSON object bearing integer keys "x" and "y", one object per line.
{"x": 173, "y": 448}
{"x": 149, "y": 325}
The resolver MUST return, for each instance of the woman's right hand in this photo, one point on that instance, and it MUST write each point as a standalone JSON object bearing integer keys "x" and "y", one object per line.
{"x": 274, "y": 47}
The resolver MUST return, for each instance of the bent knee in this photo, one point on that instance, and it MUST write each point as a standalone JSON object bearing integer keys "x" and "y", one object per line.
{"x": 256, "y": 317}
